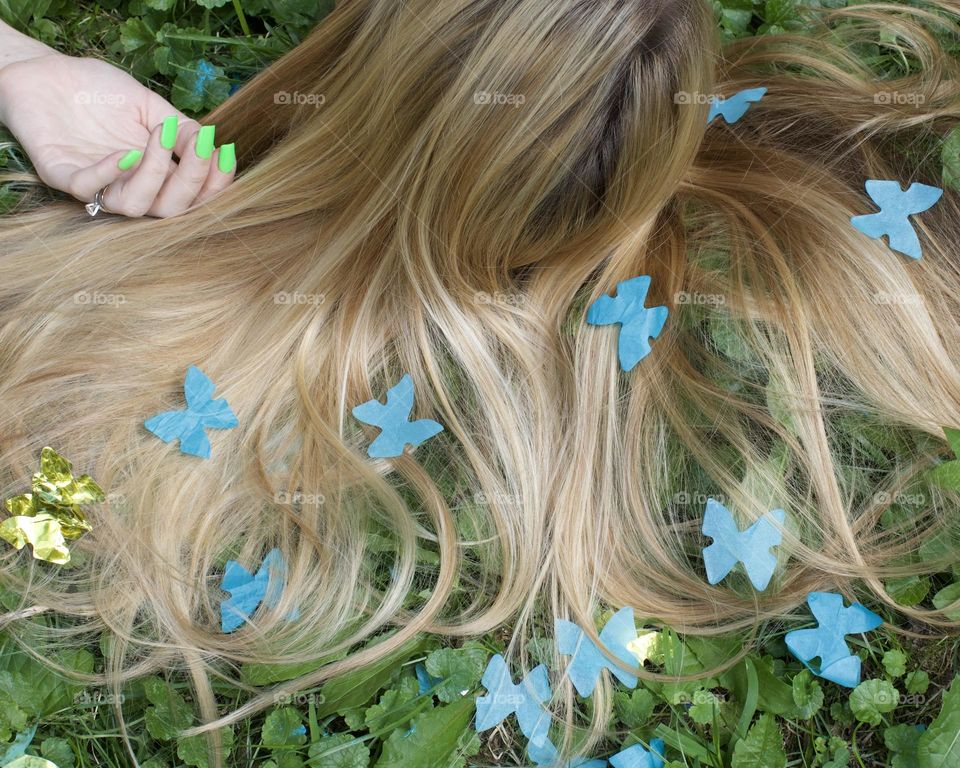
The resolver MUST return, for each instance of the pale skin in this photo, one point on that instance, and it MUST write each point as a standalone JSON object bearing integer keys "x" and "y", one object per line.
{"x": 77, "y": 118}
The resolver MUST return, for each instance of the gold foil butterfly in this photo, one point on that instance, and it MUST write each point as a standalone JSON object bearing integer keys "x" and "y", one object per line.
{"x": 51, "y": 513}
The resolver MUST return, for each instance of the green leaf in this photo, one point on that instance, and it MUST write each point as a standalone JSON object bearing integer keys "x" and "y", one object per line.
{"x": 763, "y": 747}
{"x": 200, "y": 86}
{"x": 393, "y": 710}
{"x": 774, "y": 695}
{"x": 870, "y": 700}
{"x": 950, "y": 159}
{"x": 438, "y": 738}
{"x": 807, "y": 694}
{"x": 633, "y": 709}
{"x": 280, "y": 729}
{"x": 339, "y": 751}
{"x": 947, "y": 596}
{"x": 939, "y": 745}
{"x": 460, "y": 669}
{"x": 359, "y": 687}
{"x": 58, "y": 751}
{"x": 902, "y": 741}
{"x": 705, "y": 709}
{"x": 194, "y": 750}
{"x": 909, "y": 590}
{"x": 895, "y": 663}
{"x": 170, "y": 714}
{"x": 917, "y": 682}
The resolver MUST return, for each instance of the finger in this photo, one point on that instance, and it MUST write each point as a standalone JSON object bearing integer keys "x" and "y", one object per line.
{"x": 86, "y": 182}
{"x": 134, "y": 196}
{"x": 182, "y": 187}
{"x": 222, "y": 173}
{"x": 187, "y": 130}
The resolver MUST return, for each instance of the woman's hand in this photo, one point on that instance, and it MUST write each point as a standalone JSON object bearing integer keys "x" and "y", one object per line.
{"x": 83, "y": 122}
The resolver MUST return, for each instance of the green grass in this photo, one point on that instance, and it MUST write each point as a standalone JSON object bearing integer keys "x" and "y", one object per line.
{"x": 766, "y": 704}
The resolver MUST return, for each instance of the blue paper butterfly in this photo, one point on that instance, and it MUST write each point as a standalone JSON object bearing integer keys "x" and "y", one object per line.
{"x": 827, "y": 642}
{"x": 525, "y": 699}
{"x": 393, "y": 419}
{"x": 637, "y": 323}
{"x": 248, "y": 591}
{"x": 545, "y": 753}
{"x": 425, "y": 681}
{"x": 202, "y": 413}
{"x": 638, "y": 757}
{"x": 731, "y": 545}
{"x": 736, "y": 106}
{"x": 896, "y": 208}
{"x": 588, "y": 660}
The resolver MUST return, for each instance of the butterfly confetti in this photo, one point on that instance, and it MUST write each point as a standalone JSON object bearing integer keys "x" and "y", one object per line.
{"x": 588, "y": 660}
{"x": 827, "y": 642}
{"x": 638, "y": 757}
{"x": 397, "y": 431}
{"x": 731, "y": 545}
{"x": 248, "y": 590}
{"x": 736, "y": 106}
{"x": 202, "y": 413}
{"x": 638, "y": 324}
{"x": 425, "y": 681}
{"x": 896, "y": 208}
{"x": 525, "y": 699}
{"x": 51, "y": 514}
{"x": 545, "y": 753}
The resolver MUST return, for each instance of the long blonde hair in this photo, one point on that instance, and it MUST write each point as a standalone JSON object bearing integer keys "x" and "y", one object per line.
{"x": 465, "y": 177}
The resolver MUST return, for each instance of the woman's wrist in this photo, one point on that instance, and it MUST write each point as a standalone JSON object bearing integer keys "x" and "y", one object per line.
{"x": 15, "y": 46}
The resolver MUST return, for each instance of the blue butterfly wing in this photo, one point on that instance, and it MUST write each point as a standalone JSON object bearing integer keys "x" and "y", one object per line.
{"x": 604, "y": 311}
{"x": 169, "y": 425}
{"x": 759, "y": 562}
{"x": 416, "y": 432}
{"x": 620, "y": 630}
{"x": 721, "y": 556}
{"x": 197, "y": 388}
{"x": 734, "y": 108}
{"x": 858, "y": 618}
{"x": 572, "y": 641}
{"x": 235, "y": 609}
{"x": 635, "y": 335}
{"x": 494, "y": 707}
{"x": 896, "y": 207}
{"x": 217, "y": 415}
{"x": 845, "y": 671}
{"x": 533, "y": 718}
{"x": 195, "y": 441}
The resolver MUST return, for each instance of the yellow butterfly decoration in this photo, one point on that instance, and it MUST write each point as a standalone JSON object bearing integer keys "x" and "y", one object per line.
{"x": 51, "y": 513}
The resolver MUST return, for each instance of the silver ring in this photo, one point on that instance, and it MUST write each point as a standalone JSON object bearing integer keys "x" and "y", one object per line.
{"x": 97, "y": 205}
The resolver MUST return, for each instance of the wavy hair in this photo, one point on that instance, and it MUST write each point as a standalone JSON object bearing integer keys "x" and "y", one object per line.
{"x": 477, "y": 172}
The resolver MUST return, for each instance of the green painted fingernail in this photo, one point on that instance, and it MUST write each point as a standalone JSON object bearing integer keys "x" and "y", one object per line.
{"x": 205, "y": 141}
{"x": 228, "y": 158}
{"x": 168, "y": 133}
{"x": 130, "y": 159}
